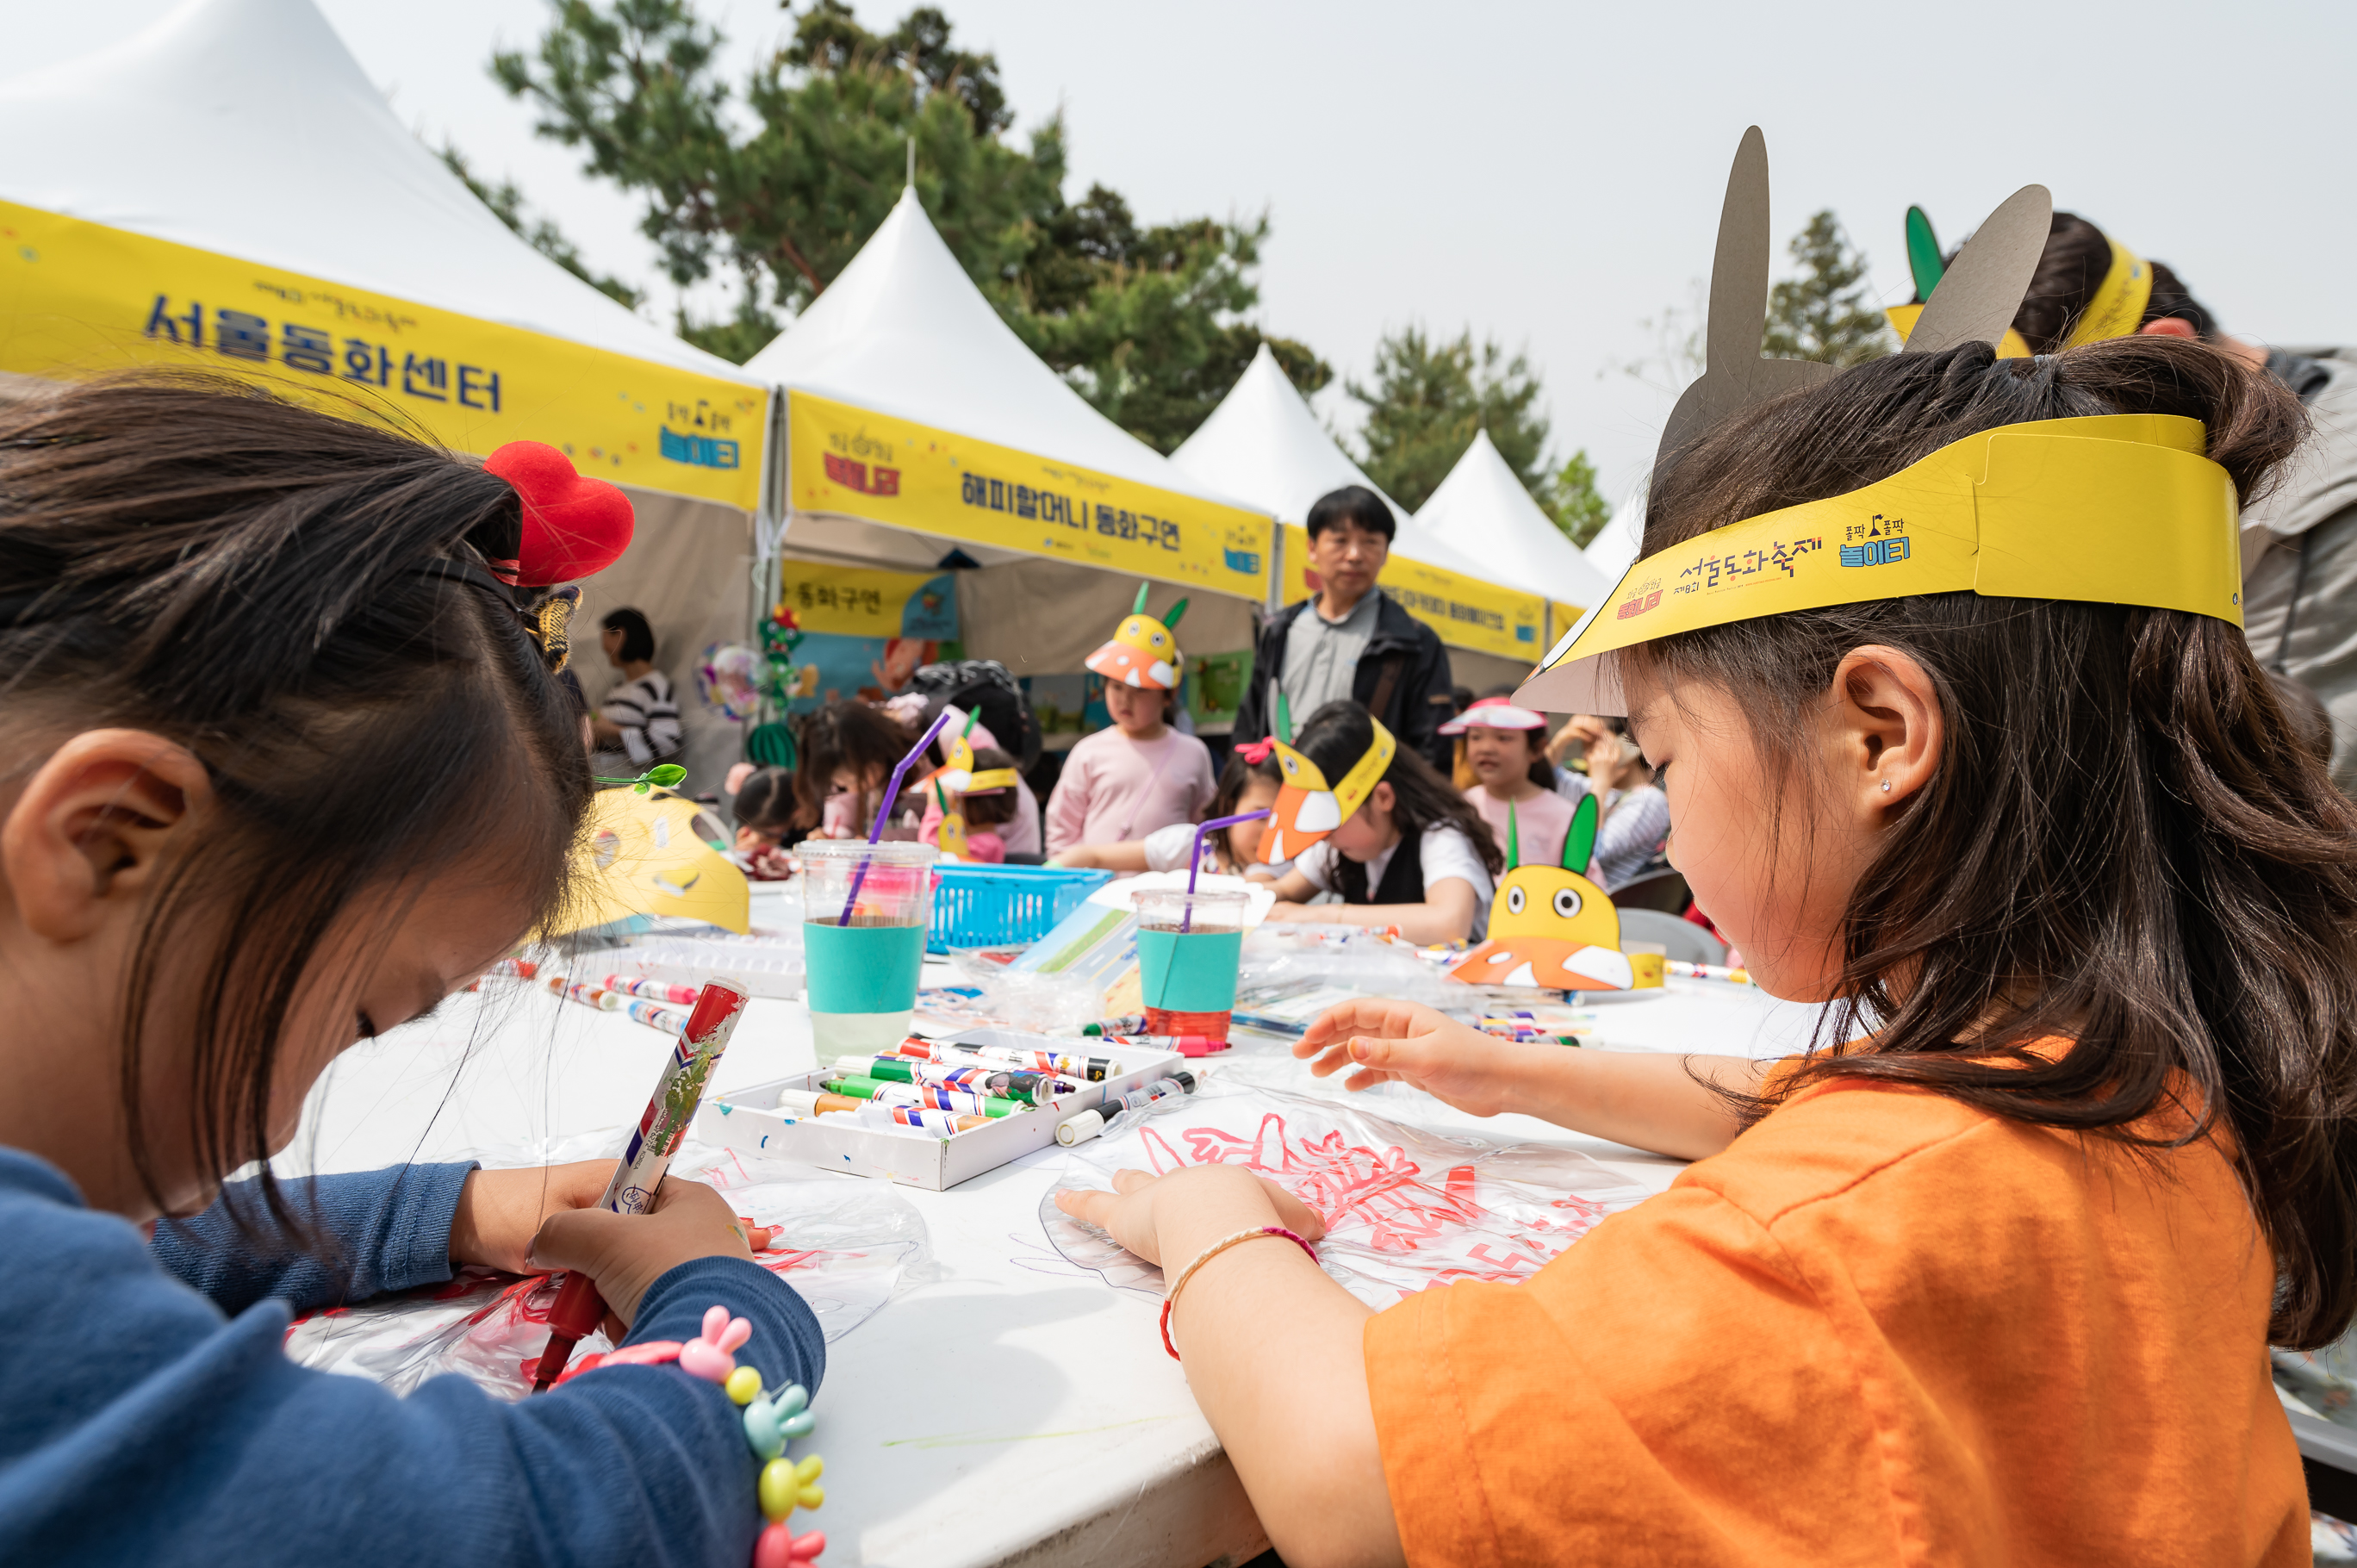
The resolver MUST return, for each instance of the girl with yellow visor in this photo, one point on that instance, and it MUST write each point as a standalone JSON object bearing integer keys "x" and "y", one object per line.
{"x": 1940, "y": 657}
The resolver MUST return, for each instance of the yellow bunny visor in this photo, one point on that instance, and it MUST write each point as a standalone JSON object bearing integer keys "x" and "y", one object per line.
{"x": 1307, "y": 810}
{"x": 2113, "y": 509}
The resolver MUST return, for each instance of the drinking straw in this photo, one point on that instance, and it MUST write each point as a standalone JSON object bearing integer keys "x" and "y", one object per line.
{"x": 1195, "y": 865}
{"x": 891, "y": 793}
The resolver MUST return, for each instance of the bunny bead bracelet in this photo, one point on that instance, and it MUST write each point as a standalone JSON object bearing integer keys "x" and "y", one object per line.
{"x": 770, "y": 1423}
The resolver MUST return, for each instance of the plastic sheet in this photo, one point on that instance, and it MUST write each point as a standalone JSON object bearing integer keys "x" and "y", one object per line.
{"x": 1310, "y": 966}
{"x": 1405, "y": 1208}
{"x": 846, "y": 1245}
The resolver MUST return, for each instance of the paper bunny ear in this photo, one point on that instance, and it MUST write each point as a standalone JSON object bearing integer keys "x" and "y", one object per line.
{"x": 1923, "y": 263}
{"x": 1139, "y": 608}
{"x": 1734, "y": 376}
{"x": 1979, "y": 292}
{"x": 573, "y": 526}
{"x": 1579, "y": 843}
{"x": 1170, "y": 617}
{"x": 1513, "y": 838}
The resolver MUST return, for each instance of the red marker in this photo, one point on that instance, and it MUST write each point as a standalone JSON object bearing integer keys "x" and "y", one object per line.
{"x": 579, "y": 1309}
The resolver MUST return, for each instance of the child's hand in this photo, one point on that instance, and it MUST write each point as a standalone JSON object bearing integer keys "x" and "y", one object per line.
{"x": 1407, "y": 1042}
{"x": 500, "y": 1211}
{"x": 625, "y": 1253}
{"x": 1140, "y": 1203}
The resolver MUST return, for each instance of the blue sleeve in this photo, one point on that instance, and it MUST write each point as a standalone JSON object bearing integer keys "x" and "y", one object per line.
{"x": 139, "y": 1424}
{"x": 354, "y": 1236}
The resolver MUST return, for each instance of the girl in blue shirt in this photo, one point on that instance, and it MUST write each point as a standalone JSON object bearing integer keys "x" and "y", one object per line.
{"x": 286, "y": 763}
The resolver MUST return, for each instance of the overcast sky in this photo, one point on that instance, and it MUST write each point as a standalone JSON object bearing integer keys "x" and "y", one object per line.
{"x": 1549, "y": 174}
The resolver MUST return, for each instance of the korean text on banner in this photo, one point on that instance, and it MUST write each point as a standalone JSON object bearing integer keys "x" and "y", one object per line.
{"x": 860, "y": 601}
{"x": 80, "y": 298}
{"x": 855, "y": 464}
{"x": 1466, "y": 612}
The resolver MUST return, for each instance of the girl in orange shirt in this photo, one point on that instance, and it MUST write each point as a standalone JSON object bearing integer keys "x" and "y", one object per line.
{"x": 1993, "y": 1284}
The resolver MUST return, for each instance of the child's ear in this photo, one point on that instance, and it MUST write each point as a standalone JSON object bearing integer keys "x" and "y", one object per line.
{"x": 1383, "y": 798}
{"x": 1888, "y": 732}
{"x": 89, "y": 830}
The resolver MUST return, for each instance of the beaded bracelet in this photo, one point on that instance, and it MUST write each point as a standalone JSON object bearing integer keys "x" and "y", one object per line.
{"x": 1170, "y": 1296}
{"x": 770, "y": 1423}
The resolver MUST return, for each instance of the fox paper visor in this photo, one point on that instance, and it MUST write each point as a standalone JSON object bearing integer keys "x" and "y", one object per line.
{"x": 2110, "y": 509}
{"x": 1144, "y": 651}
{"x": 1494, "y": 713}
{"x": 1307, "y": 808}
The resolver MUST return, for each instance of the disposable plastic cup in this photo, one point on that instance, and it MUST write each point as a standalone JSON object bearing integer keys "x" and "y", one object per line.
{"x": 1190, "y": 946}
{"x": 861, "y": 975}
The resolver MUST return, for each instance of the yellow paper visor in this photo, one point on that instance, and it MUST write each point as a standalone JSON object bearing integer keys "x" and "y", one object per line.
{"x": 1902, "y": 318}
{"x": 2115, "y": 509}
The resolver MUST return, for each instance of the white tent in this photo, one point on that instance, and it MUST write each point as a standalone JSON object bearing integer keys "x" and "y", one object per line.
{"x": 234, "y": 160}
{"x": 1483, "y": 510}
{"x": 1264, "y": 444}
{"x": 902, "y": 362}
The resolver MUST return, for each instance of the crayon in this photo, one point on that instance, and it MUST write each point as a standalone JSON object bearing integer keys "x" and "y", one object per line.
{"x": 923, "y": 1117}
{"x": 1087, "y": 1070}
{"x": 679, "y": 1089}
{"x": 981, "y": 1078}
{"x": 670, "y": 1020}
{"x": 1706, "y": 972}
{"x": 807, "y": 1102}
{"x": 932, "y": 1094}
{"x": 653, "y": 990}
{"x": 506, "y": 968}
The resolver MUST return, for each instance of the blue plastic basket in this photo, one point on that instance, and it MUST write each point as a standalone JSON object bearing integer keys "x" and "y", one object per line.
{"x": 1005, "y": 906}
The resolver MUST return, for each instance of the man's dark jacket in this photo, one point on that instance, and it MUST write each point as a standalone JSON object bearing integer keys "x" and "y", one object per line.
{"x": 1417, "y": 703}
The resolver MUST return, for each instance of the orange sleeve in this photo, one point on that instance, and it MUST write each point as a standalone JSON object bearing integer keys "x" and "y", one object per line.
{"x": 1633, "y": 1402}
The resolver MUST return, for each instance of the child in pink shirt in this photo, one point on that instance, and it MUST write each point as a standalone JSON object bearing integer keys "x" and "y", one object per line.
{"x": 1506, "y": 746}
{"x": 1123, "y": 783}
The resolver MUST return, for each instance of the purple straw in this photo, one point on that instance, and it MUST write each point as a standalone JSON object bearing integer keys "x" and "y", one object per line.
{"x": 891, "y": 793}
{"x": 1195, "y": 867}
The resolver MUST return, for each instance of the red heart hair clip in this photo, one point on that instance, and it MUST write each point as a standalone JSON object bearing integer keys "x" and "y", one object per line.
{"x": 573, "y": 525}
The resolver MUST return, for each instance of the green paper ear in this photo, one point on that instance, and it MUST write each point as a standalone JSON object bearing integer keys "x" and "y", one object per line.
{"x": 1579, "y": 844}
{"x": 1283, "y": 728}
{"x": 1513, "y": 838}
{"x": 1923, "y": 254}
{"x": 1139, "y": 608}
{"x": 1170, "y": 620}
{"x": 971, "y": 714}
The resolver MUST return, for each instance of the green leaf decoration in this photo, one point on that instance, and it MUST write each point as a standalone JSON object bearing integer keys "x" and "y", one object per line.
{"x": 667, "y": 775}
{"x": 1579, "y": 844}
{"x": 1923, "y": 254}
{"x": 1513, "y": 838}
{"x": 1170, "y": 620}
{"x": 1139, "y": 608}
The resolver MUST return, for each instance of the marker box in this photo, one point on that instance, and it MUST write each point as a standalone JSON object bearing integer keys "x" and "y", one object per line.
{"x": 749, "y": 1119}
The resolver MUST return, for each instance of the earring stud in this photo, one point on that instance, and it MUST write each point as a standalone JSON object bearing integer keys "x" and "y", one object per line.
{"x": 1886, "y": 786}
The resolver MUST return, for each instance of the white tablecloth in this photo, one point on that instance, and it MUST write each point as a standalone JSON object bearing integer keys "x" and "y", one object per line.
{"x": 1013, "y": 1408}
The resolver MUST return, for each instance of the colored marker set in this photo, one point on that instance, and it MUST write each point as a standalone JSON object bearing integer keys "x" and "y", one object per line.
{"x": 1542, "y": 1025}
{"x": 849, "y": 1116}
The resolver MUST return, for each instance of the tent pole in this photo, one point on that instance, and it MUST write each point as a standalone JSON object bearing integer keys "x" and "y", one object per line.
{"x": 767, "y": 582}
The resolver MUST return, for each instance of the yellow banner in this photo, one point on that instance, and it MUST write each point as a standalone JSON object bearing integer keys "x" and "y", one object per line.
{"x": 1565, "y": 618}
{"x": 859, "y": 601}
{"x": 1465, "y": 611}
{"x": 849, "y": 461}
{"x": 77, "y": 298}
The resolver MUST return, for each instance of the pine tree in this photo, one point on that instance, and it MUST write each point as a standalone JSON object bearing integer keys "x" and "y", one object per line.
{"x": 1826, "y": 313}
{"x": 1428, "y": 400}
{"x": 1571, "y": 498}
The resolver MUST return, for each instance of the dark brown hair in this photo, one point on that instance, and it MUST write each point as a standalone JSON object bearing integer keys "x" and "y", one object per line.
{"x": 999, "y": 807}
{"x": 2072, "y": 268}
{"x": 273, "y": 588}
{"x": 848, "y": 734}
{"x": 1339, "y": 732}
{"x": 2124, "y": 843}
